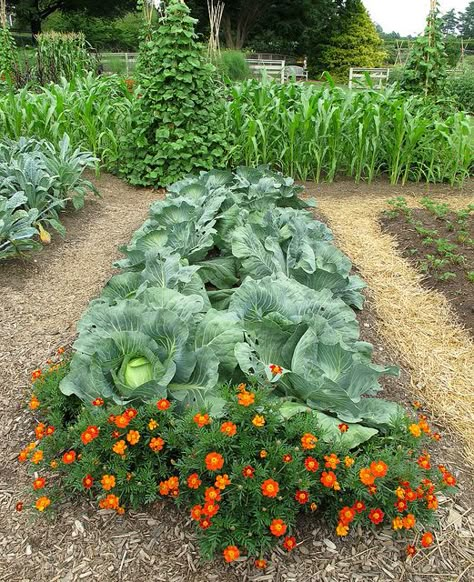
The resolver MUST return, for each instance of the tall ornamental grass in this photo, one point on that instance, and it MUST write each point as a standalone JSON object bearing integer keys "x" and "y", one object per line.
{"x": 93, "y": 111}
{"x": 318, "y": 133}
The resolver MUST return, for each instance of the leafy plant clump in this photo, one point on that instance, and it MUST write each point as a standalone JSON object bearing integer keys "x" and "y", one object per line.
{"x": 37, "y": 180}
{"x": 7, "y": 54}
{"x": 179, "y": 120}
{"x": 244, "y": 478}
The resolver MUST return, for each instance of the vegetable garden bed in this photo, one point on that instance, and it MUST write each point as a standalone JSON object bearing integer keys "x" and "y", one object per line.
{"x": 440, "y": 242}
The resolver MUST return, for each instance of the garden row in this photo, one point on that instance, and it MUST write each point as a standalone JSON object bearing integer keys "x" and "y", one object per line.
{"x": 309, "y": 132}
{"x": 223, "y": 368}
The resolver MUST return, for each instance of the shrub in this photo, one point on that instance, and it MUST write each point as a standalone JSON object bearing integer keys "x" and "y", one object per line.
{"x": 233, "y": 66}
{"x": 178, "y": 122}
{"x": 461, "y": 88}
{"x": 62, "y": 55}
{"x": 7, "y": 54}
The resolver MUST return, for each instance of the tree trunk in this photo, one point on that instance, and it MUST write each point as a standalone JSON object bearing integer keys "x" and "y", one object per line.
{"x": 35, "y": 24}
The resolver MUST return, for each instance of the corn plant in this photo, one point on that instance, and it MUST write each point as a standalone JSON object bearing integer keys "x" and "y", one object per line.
{"x": 321, "y": 132}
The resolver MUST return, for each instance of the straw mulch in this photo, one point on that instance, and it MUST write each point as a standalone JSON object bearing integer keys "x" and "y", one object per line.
{"x": 417, "y": 324}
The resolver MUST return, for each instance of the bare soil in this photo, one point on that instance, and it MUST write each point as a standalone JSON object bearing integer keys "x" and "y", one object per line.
{"x": 459, "y": 290}
{"x": 41, "y": 300}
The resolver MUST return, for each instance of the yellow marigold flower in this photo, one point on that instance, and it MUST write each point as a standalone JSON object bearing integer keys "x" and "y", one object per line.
{"x": 119, "y": 447}
{"x": 341, "y": 529}
{"x": 42, "y": 503}
{"x": 133, "y": 436}
{"x": 53, "y": 464}
{"x": 222, "y": 481}
{"x": 336, "y": 486}
{"x": 397, "y": 523}
{"x": 400, "y": 492}
{"x": 108, "y": 482}
{"x": 263, "y": 453}
{"x": 332, "y": 461}
{"x": 313, "y": 506}
{"x": 30, "y": 447}
{"x": 348, "y": 461}
{"x": 415, "y": 430}
{"x": 246, "y": 398}
{"x": 152, "y": 424}
{"x": 258, "y": 421}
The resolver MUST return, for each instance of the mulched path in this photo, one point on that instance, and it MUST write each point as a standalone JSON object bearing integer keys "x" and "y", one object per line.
{"x": 459, "y": 290}
{"x": 42, "y": 299}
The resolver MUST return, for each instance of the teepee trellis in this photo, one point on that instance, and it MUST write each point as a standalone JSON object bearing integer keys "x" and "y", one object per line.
{"x": 215, "y": 18}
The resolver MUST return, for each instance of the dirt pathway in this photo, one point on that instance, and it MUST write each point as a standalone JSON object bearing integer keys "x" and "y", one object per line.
{"x": 41, "y": 301}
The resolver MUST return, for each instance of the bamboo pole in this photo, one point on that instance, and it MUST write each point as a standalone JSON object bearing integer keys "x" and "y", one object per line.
{"x": 3, "y": 13}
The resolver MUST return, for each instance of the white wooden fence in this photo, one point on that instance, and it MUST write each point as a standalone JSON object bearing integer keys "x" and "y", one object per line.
{"x": 270, "y": 67}
{"x": 379, "y": 75}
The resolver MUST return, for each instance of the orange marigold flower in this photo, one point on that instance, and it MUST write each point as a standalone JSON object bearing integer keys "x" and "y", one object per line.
{"x": 212, "y": 494}
{"x": 411, "y": 551}
{"x": 53, "y": 464}
{"x": 196, "y": 512}
{"x": 31, "y": 446}
{"x": 205, "y": 523}
{"x": 156, "y": 444}
{"x": 69, "y": 457}
{"x": 246, "y": 398}
{"x": 400, "y": 505}
{"x": 120, "y": 510}
{"x": 425, "y": 427}
{"x": 231, "y": 553}
{"x": 115, "y": 434}
{"x": 348, "y": 462}
{"x": 366, "y": 476}
{"x": 228, "y": 428}
{"x": 152, "y": 424}
{"x": 270, "y": 488}
{"x": 415, "y": 430}
{"x": 131, "y": 413}
{"x": 37, "y": 457}
{"x": 397, "y": 523}
{"x": 258, "y": 421}
{"x": 121, "y": 421}
{"x": 261, "y": 563}
{"x": 35, "y": 374}
{"x": 263, "y": 454}
{"x": 119, "y": 447}
{"x": 201, "y": 419}
{"x": 409, "y": 521}
{"x": 193, "y": 481}
{"x": 424, "y": 462}
{"x": 214, "y": 461}
{"x": 313, "y": 506}
{"x": 173, "y": 483}
{"x": 19, "y": 506}
{"x": 289, "y": 542}
{"x": 308, "y": 441}
{"x": 50, "y": 430}
{"x": 410, "y": 495}
{"x": 87, "y": 482}
{"x": 163, "y": 488}
{"x": 98, "y": 402}
{"x": 40, "y": 430}
{"x": 376, "y": 516}
{"x": 39, "y": 483}
{"x": 342, "y": 529}
{"x": 89, "y": 434}
{"x": 416, "y": 404}
{"x": 163, "y": 404}
{"x": 302, "y": 497}
{"x": 328, "y": 479}
{"x": 275, "y": 370}
{"x": 449, "y": 479}
{"x": 436, "y": 436}
{"x": 287, "y": 458}
{"x": 359, "y": 506}
{"x": 242, "y": 387}
{"x": 222, "y": 481}
{"x": 427, "y": 539}
{"x": 133, "y": 436}
{"x": 346, "y": 515}
{"x": 378, "y": 468}
{"x": 111, "y": 501}
{"x": 343, "y": 427}
{"x": 336, "y": 486}
{"x": 108, "y": 482}
{"x": 400, "y": 492}
{"x": 278, "y": 527}
{"x": 34, "y": 403}
{"x": 432, "y": 502}
{"x": 60, "y": 351}
{"x": 210, "y": 508}
{"x": 23, "y": 455}
{"x": 42, "y": 503}
{"x": 311, "y": 464}
{"x": 248, "y": 471}
{"x": 332, "y": 461}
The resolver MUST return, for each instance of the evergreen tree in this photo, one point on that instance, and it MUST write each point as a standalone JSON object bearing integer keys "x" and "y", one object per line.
{"x": 450, "y": 23}
{"x": 178, "y": 125}
{"x": 426, "y": 67}
{"x": 467, "y": 21}
{"x": 354, "y": 41}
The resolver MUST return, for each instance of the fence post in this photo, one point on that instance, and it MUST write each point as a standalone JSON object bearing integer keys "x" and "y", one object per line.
{"x": 126, "y": 64}
{"x": 351, "y": 70}
{"x": 283, "y": 72}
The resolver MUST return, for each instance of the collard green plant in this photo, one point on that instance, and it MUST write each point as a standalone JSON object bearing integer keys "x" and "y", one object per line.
{"x": 178, "y": 122}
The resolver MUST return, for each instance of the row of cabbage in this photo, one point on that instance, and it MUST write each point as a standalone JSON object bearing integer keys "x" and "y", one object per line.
{"x": 37, "y": 181}
{"x": 229, "y": 276}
